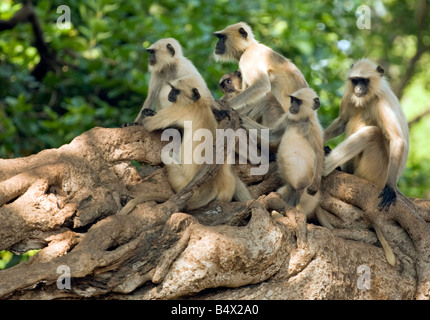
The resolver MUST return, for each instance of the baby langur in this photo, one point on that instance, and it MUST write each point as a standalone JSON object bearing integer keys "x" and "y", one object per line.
{"x": 263, "y": 70}
{"x": 301, "y": 154}
{"x": 376, "y": 135}
{"x": 266, "y": 111}
{"x": 166, "y": 63}
{"x": 189, "y": 104}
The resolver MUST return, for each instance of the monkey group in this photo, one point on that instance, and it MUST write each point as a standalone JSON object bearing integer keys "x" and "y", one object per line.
{"x": 270, "y": 92}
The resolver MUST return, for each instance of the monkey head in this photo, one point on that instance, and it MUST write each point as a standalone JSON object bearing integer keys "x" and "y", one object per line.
{"x": 364, "y": 80}
{"x": 233, "y": 41}
{"x": 304, "y": 103}
{"x": 231, "y": 83}
{"x": 163, "y": 53}
{"x": 186, "y": 90}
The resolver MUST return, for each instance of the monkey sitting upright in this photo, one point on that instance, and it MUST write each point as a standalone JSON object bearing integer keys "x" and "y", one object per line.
{"x": 301, "y": 154}
{"x": 166, "y": 63}
{"x": 377, "y": 138}
{"x": 376, "y": 135}
{"x": 263, "y": 70}
{"x": 191, "y": 101}
{"x": 266, "y": 111}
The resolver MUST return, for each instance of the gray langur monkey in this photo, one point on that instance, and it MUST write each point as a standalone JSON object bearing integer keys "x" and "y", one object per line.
{"x": 166, "y": 62}
{"x": 376, "y": 135}
{"x": 191, "y": 101}
{"x": 266, "y": 111}
{"x": 300, "y": 155}
{"x": 263, "y": 70}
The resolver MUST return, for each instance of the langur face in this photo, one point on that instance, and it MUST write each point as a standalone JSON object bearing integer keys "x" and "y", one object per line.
{"x": 220, "y": 46}
{"x": 231, "y": 82}
{"x": 160, "y": 53}
{"x": 152, "y": 59}
{"x": 295, "y": 105}
{"x": 183, "y": 97}
{"x": 173, "y": 94}
{"x": 360, "y": 86}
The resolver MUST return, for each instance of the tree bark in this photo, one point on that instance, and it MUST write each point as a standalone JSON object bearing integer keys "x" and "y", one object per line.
{"x": 65, "y": 202}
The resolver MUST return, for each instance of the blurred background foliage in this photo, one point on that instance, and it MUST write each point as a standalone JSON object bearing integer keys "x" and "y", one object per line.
{"x": 101, "y": 76}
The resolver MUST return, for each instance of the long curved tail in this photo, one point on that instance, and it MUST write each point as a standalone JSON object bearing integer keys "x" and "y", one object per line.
{"x": 154, "y": 196}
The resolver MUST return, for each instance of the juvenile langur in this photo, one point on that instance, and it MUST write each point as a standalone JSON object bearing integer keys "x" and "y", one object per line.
{"x": 230, "y": 84}
{"x": 301, "y": 153}
{"x": 376, "y": 134}
{"x": 188, "y": 104}
{"x": 263, "y": 70}
{"x": 166, "y": 63}
{"x": 266, "y": 111}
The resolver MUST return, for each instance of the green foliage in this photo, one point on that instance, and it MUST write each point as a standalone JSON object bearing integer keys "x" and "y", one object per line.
{"x": 104, "y": 77}
{"x": 8, "y": 259}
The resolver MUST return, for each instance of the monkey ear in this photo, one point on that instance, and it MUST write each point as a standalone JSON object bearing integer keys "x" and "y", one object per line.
{"x": 238, "y": 73}
{"x": 243, "y": 33}
{"x": 316, "y": 103}
{"x": 351, "y": 66}
{"x": 196, "y": 94}
{"x": 380, "y": 70}
{"x": 170, "y": 48}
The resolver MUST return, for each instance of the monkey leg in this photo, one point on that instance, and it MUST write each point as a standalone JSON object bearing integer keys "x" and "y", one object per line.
{"x": 241, "y": 192}
{"x": 290, "y": 196}
{"x": 351, "y": 147}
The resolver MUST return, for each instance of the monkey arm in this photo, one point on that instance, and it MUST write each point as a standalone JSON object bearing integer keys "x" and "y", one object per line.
{"x": 388, "y": 194}
{"x": 398, "y": 150}
{"x": 336, "y": 128}
{"x": 275, "y": 134}
{"x": 319, "y": 168}
{"x": 150, "y": 103}
{"x": 350, "y": 147}
{"x": 170, "y": 117}
{"x": 260, "y": 86}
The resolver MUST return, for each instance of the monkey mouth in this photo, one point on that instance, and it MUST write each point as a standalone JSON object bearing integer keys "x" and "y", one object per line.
{"x": 294, "y": 111}
{"x": 360, "y": 94}
{"x": 218, "y": 51}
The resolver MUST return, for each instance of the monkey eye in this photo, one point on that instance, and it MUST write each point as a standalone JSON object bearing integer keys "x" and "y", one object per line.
{"x": 366, "y": 81}
{"x": 354, "y": 81}
{"x": 228, "y": 81}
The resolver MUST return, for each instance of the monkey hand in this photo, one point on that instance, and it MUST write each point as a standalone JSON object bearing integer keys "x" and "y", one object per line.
{"x": 272, "y": 156}
{"x": 389, "y": 197}
{"x": 221, "y": 114}
{"x": 313, "y": 189}
{"x": 147, "y": 113}
{"x": 327, "y": 150}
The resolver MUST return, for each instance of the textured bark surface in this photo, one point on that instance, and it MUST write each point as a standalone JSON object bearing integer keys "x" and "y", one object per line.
{"x": 64, "y": 201}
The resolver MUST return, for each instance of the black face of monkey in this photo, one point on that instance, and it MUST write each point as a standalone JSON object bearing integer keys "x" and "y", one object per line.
{"x": 227, "y": 85}
{"x": 231, "y": 82}
{"x": 173, "y": 94}
{"x": 220, "y": 46}
{"x": 295, "y": 105}
{"x": 152, "y": 60}
{"x": 361, "y": 86}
